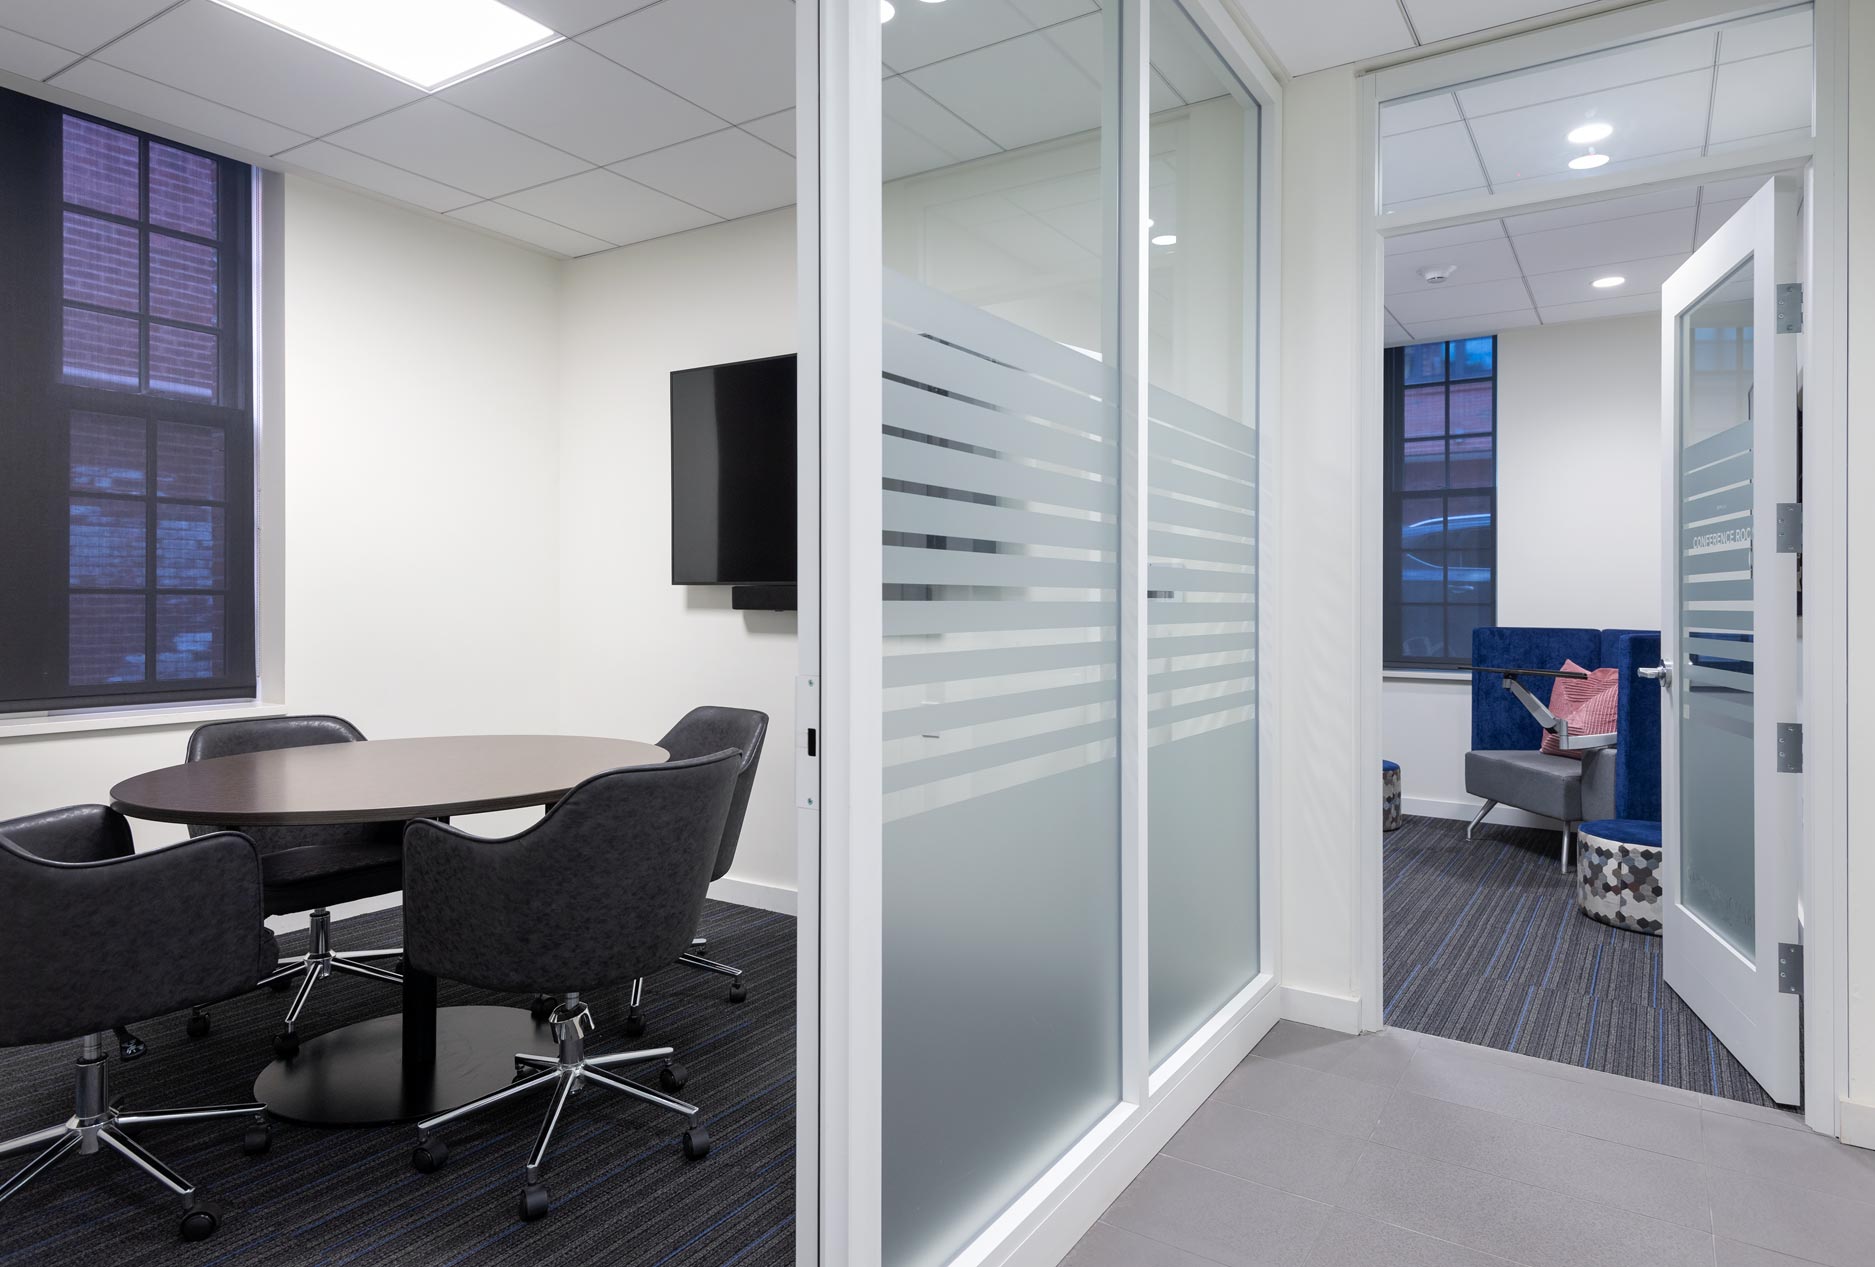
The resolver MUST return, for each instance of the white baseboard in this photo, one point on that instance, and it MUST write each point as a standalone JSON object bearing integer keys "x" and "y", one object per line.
{"x": 1857, "y": 1121}
{"x": 766, "y": 897}
{"x": 1339, "y": 1012}
{"x": 1503, "y": 815}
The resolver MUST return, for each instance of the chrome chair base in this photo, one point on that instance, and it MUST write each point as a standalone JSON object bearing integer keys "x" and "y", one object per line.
{"x": 738, "y": 989}
{"x": 96, "y": 1123}
{"x": 565, "y": 1075}
{"x": 319, "y": 962}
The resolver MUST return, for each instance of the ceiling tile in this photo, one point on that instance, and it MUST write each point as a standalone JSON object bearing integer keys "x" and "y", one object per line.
{"x": 1473, "y": 325}
{"x": 1732, "y": 190}
{"x": 1753, "y": 142}
{"x": 1396, "y": 333}
{"x": 1654, "y": 117}
{"x": 1186, "y": 60}
{"x": 530, "y": 229}
{"x": 1484, "y": 261}
{"x": 232, "y": 59}
{"x": 573, "y": 99}
{"x": 1712, "y": 215}
{"x": 1764, "y": 95}
{"x": 1607, "y": 241}
{"x": 777, "y": 129}
{"x": 1770, "y": 33}
{"x": 1436, "y": 303}
{"x": 1567, "y": 175}
{"x": 1572, "y": 285}
{"x": 1428, "y": 163}
{"x": 162, "y": 104}
{"x": 727, "y": 173}
{"x": 920, "y": 134}
{"x": 1623, "y": 306}
{"x": 35, "y": 59}
{"x": 382, "y": 178}
{"x": 924, "y": 33}
{"x": 435, "y": 139}
{"x": 1581, "y": 77}
{"x": 1308, "y": 37}
{"x": 1607, "y": 209}
{"x": 1016, "y": 93}
{"x": 1441, "y": 19}
{"x": 732, "y": 57}
{"x": 575, "y": 17}
{"x": 80, "y": 26}
{"x": 605, "y": 205}
{"x": 1435, "y": 239}
{"x": 1084, "y": 40}
{"x": 1420, "y": 112}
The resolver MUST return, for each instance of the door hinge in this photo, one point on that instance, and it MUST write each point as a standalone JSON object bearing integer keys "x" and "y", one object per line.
{"x": 1790, "y": 747}
{"x": 1790, "y": 527}
{"x": 1790, "y": 308}
{"x": 1789, "y": 968}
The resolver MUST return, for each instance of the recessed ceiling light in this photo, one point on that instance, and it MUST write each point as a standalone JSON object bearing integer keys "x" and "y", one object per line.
{"x": 934, "y": 1}
{"x": 1166, "y": 239}
{"x": 1589, "y": 133}
{"x": 886, "y": 11}
{"x": 1603, "y": 283}
{"x": 1588, "y": 161}
{"x": 429, "y": 44}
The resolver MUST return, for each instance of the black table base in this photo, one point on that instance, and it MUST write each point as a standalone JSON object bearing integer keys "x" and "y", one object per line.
{"x": 355, "y": 1076}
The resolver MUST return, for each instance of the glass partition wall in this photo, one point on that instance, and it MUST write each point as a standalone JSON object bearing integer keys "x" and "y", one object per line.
{"x": 1069, "y": 663}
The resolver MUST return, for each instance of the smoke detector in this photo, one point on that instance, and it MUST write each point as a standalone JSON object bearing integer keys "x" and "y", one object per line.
{"x": 1436, "y": 273}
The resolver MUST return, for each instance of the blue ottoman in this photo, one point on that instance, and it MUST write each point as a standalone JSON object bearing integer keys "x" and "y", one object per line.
{"x": 1618, "y": 872}
{"x": 1390, "y": 796}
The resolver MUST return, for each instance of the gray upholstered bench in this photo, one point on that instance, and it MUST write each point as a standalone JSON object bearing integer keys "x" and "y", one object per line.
{"x": 1389, "y": 796}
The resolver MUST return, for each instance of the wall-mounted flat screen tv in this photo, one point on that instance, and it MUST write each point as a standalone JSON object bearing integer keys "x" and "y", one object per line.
{"x": 732, "y": 473}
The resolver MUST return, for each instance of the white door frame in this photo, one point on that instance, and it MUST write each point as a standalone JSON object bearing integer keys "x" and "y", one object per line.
{"x": 1824, "y": 884}
{"x": 839, "y": 1122}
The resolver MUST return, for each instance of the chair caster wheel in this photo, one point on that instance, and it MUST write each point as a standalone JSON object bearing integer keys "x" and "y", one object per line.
{"x": 535, "y": 1202}
{"x": 200, "y": 1221}
{"x": 198, "y": 1025}
{"x": 257, "y": 1139}
{"x": 697, "y": 1143}
{"x": 738, "y": 992}
{"x": 430, "y": 1156}
{"x": 673, "y": 1076}
{"x": 542, "y": 1007}
{"x": 286, "y": 1045}
{"x": 634, "y": 1026}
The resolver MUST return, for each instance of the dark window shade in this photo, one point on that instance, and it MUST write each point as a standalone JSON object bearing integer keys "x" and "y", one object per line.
{"x": 126, "y": 423}
{"x": 1441, "y": 500}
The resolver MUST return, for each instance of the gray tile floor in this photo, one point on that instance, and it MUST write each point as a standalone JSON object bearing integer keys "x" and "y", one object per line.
{"x": 1401, "y": 1150}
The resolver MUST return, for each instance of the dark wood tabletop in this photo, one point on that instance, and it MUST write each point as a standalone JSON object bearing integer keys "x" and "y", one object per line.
{"x": 378, "y": 780}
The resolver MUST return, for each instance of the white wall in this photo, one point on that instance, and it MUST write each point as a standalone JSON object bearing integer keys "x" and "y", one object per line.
{"x": 1578, "y": 536}
{"x": 421, "y": 457}
{"x": 638, "y": 652}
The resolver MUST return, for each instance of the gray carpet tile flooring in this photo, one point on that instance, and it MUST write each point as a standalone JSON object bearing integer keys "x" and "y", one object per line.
{"x": 1485, "y": 944}
{"x": 623, "y": 1193}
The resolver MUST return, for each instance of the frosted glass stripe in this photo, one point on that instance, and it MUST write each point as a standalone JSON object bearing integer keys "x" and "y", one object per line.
{"x": 1698, "y": 589}
{"x": 1711, "y": 648}
{"x": 1204, "y": 675}
{"x": 1169, "y": 442}
{"x": 1734, "y": 531}
{"x": 919, "y": 307}
{"x": 915, "y": 409}
{"x": 1183, "y": 546}
{"x": 1168, "y": 477}
{"x": 927, "y": 770}
{"x": 1201, "y": 708}
{"x": 1703, "y": 563}
{"x": 1724, "y": 444}
{"x": 1166, "y": 646}
{"x": 934, "y": 719}
{"x": 910, "y": 565}
{"x": 1169, "y": 511}
{"x": 919, "y": 668}
{"x": 1199, "y": 581}
{"x": 1700, "y": 676}
{"x": 937, "y": 466}
{"x": 1163, "y": 407}
{"x": 949, "y": 517}
{"x": 954, "y": 370}
{"x": 963, "y": 616}
{"x": 1721, "y": 474}
{"x": 1162, "y": 612}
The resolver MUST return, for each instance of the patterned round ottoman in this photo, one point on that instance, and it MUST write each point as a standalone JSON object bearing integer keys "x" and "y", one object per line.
{"x": 1390, "y": 796}
{"x": 1618, "y": 872}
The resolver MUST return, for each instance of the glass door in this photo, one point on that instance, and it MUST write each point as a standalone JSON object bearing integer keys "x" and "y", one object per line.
{"x": 1728, "y": 749}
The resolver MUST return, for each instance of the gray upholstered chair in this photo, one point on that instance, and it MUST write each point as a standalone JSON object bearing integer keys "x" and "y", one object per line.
{"x": 309, "y": 868}
{"x": 605, "y": 889}
{"x": 701, "y": 730}
{"x": 97, "y": 937}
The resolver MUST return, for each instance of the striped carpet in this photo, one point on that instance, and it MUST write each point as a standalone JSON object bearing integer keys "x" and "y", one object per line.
{"x": 1484, "y": 945}
{"x": 623, "y": 1193}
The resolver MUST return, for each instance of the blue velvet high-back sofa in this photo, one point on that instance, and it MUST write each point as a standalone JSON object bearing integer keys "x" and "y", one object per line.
{"x": 1506, "y": 766}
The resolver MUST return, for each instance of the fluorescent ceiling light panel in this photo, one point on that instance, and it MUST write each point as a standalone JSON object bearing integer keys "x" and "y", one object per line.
{"x": 429, "y": 44}
{"x": 1589, "y": 133}
{"x": 1588, "y": 162}
{"x": 1603, "y": 283}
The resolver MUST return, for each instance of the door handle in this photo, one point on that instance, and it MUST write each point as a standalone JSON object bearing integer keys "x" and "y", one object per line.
{"x": 1661, "y": 673}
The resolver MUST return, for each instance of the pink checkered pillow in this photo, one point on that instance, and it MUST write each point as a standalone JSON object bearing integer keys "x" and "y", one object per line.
{"x": 1590, "y": 705}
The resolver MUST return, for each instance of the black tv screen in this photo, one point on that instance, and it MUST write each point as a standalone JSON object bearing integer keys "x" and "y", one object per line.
{"x": 732, "y": 473}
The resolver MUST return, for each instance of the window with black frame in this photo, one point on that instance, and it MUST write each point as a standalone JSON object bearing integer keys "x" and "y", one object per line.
{"x": 1441, "y": 515}
{"x": 126, "y": 418}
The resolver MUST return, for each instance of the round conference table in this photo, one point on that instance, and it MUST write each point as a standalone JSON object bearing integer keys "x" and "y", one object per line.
{"x": 425, "y": 1059}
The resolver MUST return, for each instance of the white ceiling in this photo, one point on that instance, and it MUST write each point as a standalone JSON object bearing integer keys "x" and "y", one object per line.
{"x": 1536, "y": 269}
{"x": 1310, "y": 35}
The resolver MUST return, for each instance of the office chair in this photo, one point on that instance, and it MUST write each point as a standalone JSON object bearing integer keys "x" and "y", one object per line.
{"x": 605, "y": 889}
{"x": 98, "y": 937}
{"x": 309, "y": 868}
